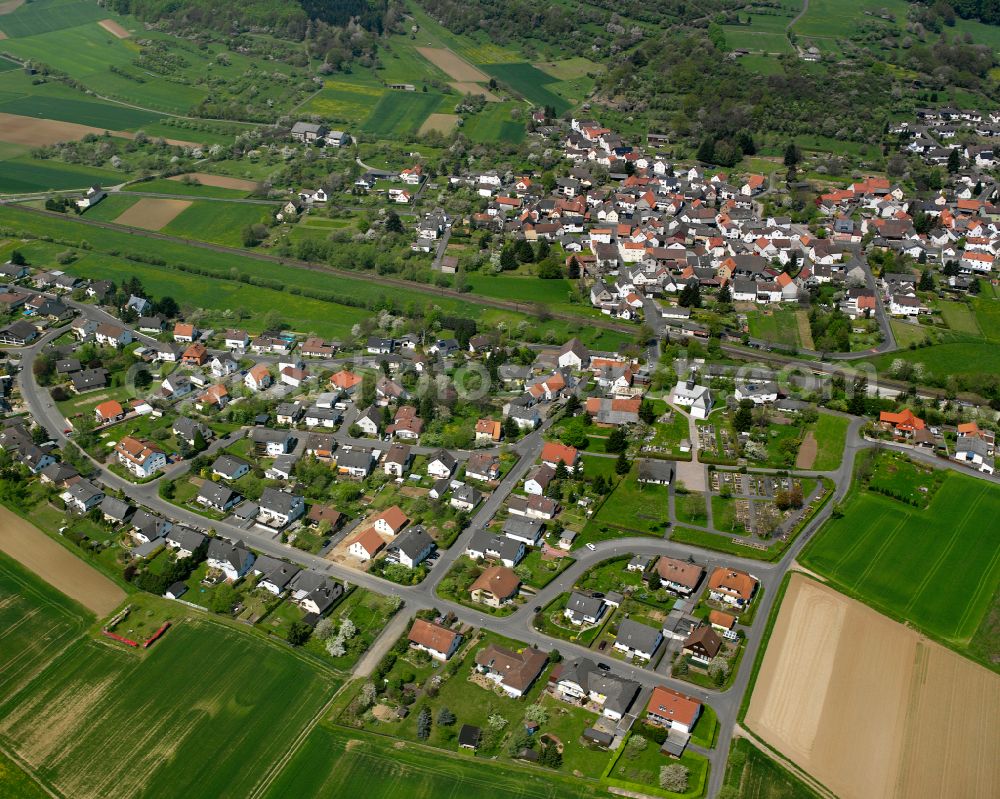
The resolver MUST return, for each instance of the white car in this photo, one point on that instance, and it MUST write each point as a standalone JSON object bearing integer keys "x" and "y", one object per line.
{"x": 591, "y": 547}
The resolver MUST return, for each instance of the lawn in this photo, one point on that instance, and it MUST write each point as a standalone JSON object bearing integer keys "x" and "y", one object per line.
{"x": 634, "y": 507}
{"x": 334, "y": 762}
{"x": 938, "y": 567}
{"x": 217, "y": 222}
{"x": 830, "y": 432}
{"x": 779, "y": 326}
{"x": 961, "y": 318}
{"x": 370, "y": 612}
{"x": 753, "y": 775}
{"x": 722, "y": 543}
{"x": 529, "y": 82}
{"x": 111, "y": 207}
{"x": 948, "y": 358}
{"x": 690, "y": 508}
{"x": 198, "y": 734}
{"x": 399, "y": 113}
{"x": 524, "y": 289}
{"x": 640, "y": 771}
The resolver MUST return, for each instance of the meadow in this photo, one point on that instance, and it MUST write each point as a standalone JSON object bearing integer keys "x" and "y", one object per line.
{"x": 776, "y": 325}
{"x": 182, "y": 189}
{"x": 832, "y": 19}
{"x": 830, "y": 432}
{"x": 529, "y": 82}
{"x": 217, "y": 222}
{"x": 214, "y": 699}
{"x": 755, "y": 776}
{"x": 339, "y": 100}
{"x": 633, "y": 508}
{"x": 400, "y": 113}
{"x": 334, "y": 762}
{"x": 525, "y": 289}
{"x": 948, "y": 358}
{"x": 937, "y": 567}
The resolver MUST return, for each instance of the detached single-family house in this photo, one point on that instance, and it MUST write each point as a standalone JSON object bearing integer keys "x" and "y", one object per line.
{"x": 731, "y": 586}
{"x": 279, "y": 508}
{"x": 366, "y": 545}
{"x": 672, "y": 710}
{"x": 233, "y": 560}
{"x": 514, "y": 672}
{"x": 637, "y": 640}
{"x": 439, "y": 642}
{"x": 496, "y": 586}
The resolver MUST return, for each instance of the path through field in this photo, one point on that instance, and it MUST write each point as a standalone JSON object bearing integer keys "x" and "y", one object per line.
{"x": 807, "y": 452}
{"x": 56, "y": 565}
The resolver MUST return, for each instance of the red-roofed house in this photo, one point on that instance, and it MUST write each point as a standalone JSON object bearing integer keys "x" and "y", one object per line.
{"x": 553, "y": 453}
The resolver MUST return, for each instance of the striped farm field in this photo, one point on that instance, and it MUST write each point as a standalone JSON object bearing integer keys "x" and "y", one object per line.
{"x": 529, "y": 82}
{"x": 938, "y": 567}
{"x": 216, "y": 222}
{"x": 82, "y": 112}
{"x": 401, "y": 113}
{"x": 334, "y": 762}
{"x": 45, "y": 16}
{"x": 27, "y": 175}
{"x": 185, "y": 718}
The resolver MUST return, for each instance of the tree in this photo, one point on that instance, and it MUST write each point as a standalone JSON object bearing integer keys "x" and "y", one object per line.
{"x": 647, "y": 413}
{"x": 508, "y": 261}
{"x": 250, "y": 236}
{"x": 926, "y": 281}
{"x": 445, "y": 717}
{"x": 954, "y": 161}
{"x": 622, "y": 464}
{"x": 523, "y": 251}
{"x": 674, "y": 778}
{"x": 550, "y": 755}
{"x": 17, "y": 259}
{"x": 143, "y": 379}
{"x": 574, "y": 268}
{"x": 542, "y": 251}
{"x": 324, "y": 629}
{"x": 725, "y": 295}
{"x": 792, "y": 155}
{"x": 424, "y": 723}
{"x": 706, "y": 150}
{"x": 167, "y": 306}
{"x": 617, "y": 441}
{"x": 298, "y": 633}
{"x": 744, "y": 140}
{"x": 223, "y": 599}
{"x": 393, "y": 224}
{"x": 743, "y": 418}
{"x": 690, "y": 296}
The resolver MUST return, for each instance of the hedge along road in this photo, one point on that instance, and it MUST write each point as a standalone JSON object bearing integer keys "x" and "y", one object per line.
{"x": 431, "y": 291}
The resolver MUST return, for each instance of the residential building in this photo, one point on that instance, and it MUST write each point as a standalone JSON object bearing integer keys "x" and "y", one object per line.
{"x": 496, "y": 586}
{"x": 440, "y": 643}
{"x": 514, "y": 672}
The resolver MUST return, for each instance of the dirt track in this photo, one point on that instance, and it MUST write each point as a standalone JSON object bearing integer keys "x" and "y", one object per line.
{"x": 219, "y": 181}
{"x": 453, "y": 65}
{"x": 871, "y": 709}
{"x": 807, "y": 452}
{"x": 152, "y": 213}
{"x": 61, "y": 569}
{"x": 114, "y": 28}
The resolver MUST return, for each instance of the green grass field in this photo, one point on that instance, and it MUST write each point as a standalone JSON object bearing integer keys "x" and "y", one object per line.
{"x": 217, "y": 222}
{"x": 937, "y": 567}
{"x": 339, "y": 100}
{"x": 948, "y": 358}
{"x": 753, "y": 775}
{"x": 960, "y": 318}
{"x": 827, "y": 19}
{"x": 16, "y": 783}
{"x": 185, "y": 719}
{"x": 401, "y": 113}
{"x": 779, "y": 325}
{"x": 111, "y": 207}
{"x": 334, "y": 762}
{"x": 830, "y": 432}
{"x": 633, "y": 507}
{"x": 529, "y": 82}
{"x": 37, "y": 623}
{"x": 181, "y": 189}
{"x": 45, "y": 16}
{"x": 29, "y": 175}
{"x": 82, "y": 112}
{"x": 524, "y": 289}
{"x": 494, "y": 124}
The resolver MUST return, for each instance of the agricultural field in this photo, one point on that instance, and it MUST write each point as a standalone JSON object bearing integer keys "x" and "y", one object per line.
{"x": 841, "y": 19}
{"x": 37, "y": 623}
{"x": 216, "y": 222}
{"x": 937, "y": 567}
{"x": 152, "y": 213}
{"x": 524, "y": 289}
{"x": 26, "y": 175}
{"x": 83, "y": 112}
{"x": 860, "y": 702}
{"x": 102, "y": 699}
{"x": 494, "y": 124}
{"x": 529, "y": 82}
{"x": 947, "y": 358}
{"x": 45, "y": 16}
{"x": 186, "y": 189}
{"x": 334, "y": 761}
{"x": 399, "y": 113}
{"x": 346, "y": 102}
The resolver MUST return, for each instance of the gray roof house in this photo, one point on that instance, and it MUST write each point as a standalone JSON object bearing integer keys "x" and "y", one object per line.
{"x": 411, "y": 547}
{"x": 638, "y": 640}
{"x": 584, "y": 608}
